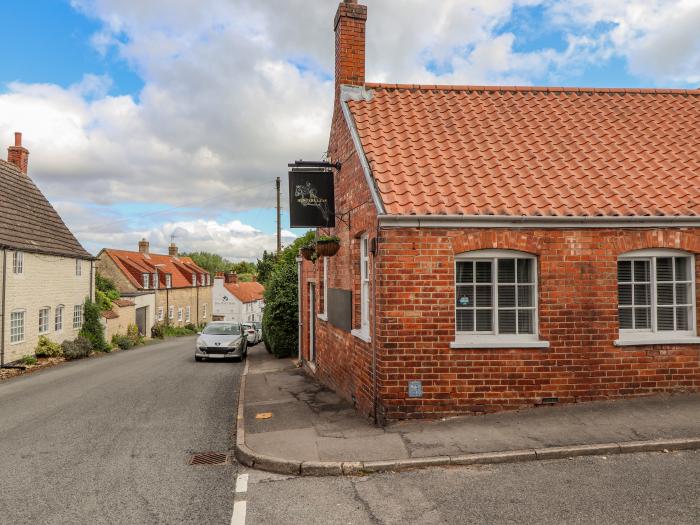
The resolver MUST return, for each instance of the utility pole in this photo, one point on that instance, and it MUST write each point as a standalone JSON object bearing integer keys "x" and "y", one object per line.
{"x": 279, "y": 218}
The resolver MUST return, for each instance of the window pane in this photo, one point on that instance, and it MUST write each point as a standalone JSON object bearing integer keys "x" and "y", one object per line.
{"x": 465, "y": 320}
{"x": 683, "y": 294}
{"x": 624, "y": 294}
{"x": 664, "y": 269}
{"x": 682, "y": 269}
{"x": 506, "y": 271}
{"x": 506, "y": 321}
{"x": 526, "y": 296}
{"x": 465, "y": 296}
{"x": 484, "y": 296}
{"x": 642, "y": 294}
{"x": 624, "y": 271}
{"x": 642, "y": 271}
{"x": 506, "y": 296}
{"x": 525, "y": 325}
{"x": 642, "y": 318}
{"x": 665, "y": 318}
{"x": 626, "y": 318}
{"x": 484, "y": 320}
{"x": 465, "y": 272}
{"x": 664, "y": 293}
{"x": 683, "y": 318}
{"x": 483, "y": 271}
{"x": 525, "y": 271}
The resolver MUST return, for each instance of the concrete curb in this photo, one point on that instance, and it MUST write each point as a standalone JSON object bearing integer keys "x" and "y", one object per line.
{"x": 252, "y": 459}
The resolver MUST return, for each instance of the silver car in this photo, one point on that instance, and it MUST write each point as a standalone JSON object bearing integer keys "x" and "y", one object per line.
{"x": 221, "y": 340}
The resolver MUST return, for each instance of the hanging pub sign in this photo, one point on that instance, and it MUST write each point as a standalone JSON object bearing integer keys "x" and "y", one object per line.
{"x": 311, "y": 199}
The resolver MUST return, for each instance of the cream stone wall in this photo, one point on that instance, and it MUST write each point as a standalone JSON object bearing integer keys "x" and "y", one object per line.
{"x": 181, "y": 298}
{"x": 47, "y": 281}
{"x": 127, "y": 316}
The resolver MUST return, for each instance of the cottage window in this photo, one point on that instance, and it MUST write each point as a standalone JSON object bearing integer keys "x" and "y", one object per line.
{"x": 77, "y": 316}
{"x": 204, "y": 311}
{"x": 18, "y": 263}
{"x": 187, "y": 313}
{"x": 179, "y": 314}
{"x": 194, "y": 279}
{"x": 363, "y": 331}
{"x": 324, "y": 291}
{"x": 168, "y": 280}
{"x": 171, "y": 312}
{"x": 202, "y": 280}
{"x": 155, "y": 281}
{"x": 496, "y": 300}
{"x": 656, "y": 297}
{"x": 17, "y": 326}
{"x": 58, "y": 318}
{"x": 78, "y": 268}
{"x": 44, "y": 320}
{"x": 208, "y": 279}
{"x": 146, "y": 280}
{"x": 160, "y": 313}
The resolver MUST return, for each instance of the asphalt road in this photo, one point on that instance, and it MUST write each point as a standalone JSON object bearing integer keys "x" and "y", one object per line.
{"x": 626, "y": 489}
{"x": 106, "y": 440}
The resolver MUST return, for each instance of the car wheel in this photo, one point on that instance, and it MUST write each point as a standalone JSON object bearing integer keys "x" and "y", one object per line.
{"x": 197, "y": 358}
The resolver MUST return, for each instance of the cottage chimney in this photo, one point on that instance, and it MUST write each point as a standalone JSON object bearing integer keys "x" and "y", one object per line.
{"x": 18, "y": 155}
{"x": 231, "y": 277}
{"x": 350, "y": 21}
{"x": 143, "y": 246}
{"x": 172, "y": 250}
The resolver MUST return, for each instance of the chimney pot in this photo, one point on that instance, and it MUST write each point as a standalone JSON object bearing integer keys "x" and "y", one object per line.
{"x": 18, "y": 155}
{"x": 18, "y": 139}
{"x": 231, "y": 277}
{"x": 143, "y": 246}
{"x": 172, "y": 250}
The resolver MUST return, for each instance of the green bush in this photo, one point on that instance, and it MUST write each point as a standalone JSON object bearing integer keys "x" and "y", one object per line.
{"x": 76, "y": 349}
{"x": 178, "y": 331}
{"x": 29, "y": 360}
{"x": 281, "y": 318}
{"x": 92, "y": 329}
{"x": 122, "y": 341}
{"x": 192, "y": 327}
{"x": 47, "y": 348}
{"x": 158, "y": 331}
{"x": 105, "y": 292}
{"x": 132, "y": 332}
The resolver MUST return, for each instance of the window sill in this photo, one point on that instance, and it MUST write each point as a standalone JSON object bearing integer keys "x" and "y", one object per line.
{"x": 500, "y": 343}
{"x": 687, "y": 340}
{"x": 323, "y": 317}
{"x": 18, "y": 342}
{"x": 362, "y": 334}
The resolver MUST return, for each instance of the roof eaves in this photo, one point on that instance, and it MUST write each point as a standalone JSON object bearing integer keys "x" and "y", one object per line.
{"x": 359, "y": 93}
{"x": 533, "y": 221}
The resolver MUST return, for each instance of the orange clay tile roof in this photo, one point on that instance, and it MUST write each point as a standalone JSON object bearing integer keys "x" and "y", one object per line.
{"x": 110, "y": 314}
{"x": 123, "y": 303}
{"x": 532, "y": 151}
{"x": 134, "y": 264}
{"x": 246, "y": 292}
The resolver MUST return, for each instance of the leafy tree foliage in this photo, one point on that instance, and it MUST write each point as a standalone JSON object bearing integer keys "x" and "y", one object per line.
{"x": 214, "y": 263}
{"x": 266, "y": 266}
{"x": 105, "y": 292}
{"x": 92, "y": 329}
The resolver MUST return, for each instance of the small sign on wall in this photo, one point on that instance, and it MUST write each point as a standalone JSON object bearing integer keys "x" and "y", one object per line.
{"x": 311, "y": 199}
{"x": 415, "y": 389}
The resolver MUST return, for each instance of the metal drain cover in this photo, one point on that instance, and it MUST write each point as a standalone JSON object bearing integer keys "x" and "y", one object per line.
{"x": 209, "y": 458}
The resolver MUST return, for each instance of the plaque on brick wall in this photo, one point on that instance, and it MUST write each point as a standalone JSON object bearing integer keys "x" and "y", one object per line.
{"x": 311, "y": 199}
{"x": 340, "y": 308}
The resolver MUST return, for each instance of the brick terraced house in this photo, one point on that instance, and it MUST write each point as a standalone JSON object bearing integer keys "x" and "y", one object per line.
{"x": 508, "y": 246}
{"x": 45, "y": 273}
{"x": 183, "y": 290}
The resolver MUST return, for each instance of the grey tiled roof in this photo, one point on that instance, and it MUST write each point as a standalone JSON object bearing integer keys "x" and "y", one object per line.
{"x": 28, "y": 222}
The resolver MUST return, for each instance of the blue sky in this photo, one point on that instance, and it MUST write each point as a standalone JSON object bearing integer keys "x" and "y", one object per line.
{"x": 151, "y": 117}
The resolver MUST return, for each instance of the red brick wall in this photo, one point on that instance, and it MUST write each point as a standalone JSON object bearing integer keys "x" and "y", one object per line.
{"x": 577, "y": 315}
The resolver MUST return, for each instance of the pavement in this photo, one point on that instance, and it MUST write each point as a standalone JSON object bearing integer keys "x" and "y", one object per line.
{"x": 107, "y": 439}
{"x": 310, "y": 430}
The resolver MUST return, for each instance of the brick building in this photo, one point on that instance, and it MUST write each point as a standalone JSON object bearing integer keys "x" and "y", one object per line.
{"x": 506, "y": 246}
{"x": 183, "y": 290}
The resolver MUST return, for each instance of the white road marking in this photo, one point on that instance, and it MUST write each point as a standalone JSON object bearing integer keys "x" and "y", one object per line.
{"x": 238, "y": 517}
{"x": 242, "y": 484}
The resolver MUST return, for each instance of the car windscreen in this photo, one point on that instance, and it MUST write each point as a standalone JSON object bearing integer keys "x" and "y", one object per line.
{"x": 222, "y": 329}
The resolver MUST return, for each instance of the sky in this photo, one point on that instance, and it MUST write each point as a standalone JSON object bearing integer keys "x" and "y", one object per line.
{"x": 154, "y": 118}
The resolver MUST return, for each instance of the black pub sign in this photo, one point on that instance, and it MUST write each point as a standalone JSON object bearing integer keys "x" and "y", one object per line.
{"x": 311, "y": 199}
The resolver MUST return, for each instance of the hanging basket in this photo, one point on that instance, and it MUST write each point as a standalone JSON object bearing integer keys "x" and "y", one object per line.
{"x": 307, "y": 252}
{"x": 327, "y": 248}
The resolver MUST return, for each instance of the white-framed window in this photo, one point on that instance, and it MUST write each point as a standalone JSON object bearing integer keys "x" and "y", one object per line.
{"x": 155, "y": 281}
{"x": 168, "y": 280}
{"x": 204, "y": 311}
{"x": 171, "y": 312}
{"x": 160, "y": 313}
{"x": 202, "y": 280}
{"x": 208, "y": 279}
{"x": 77, "y": 316}
{"x": 78, "y": 268}
{"x": 44, "y": 319}
{"x": 18, "y": 263}
{"x": 17, "y": 326}
{"x": 58, "y": 318}
{"x": 146, "y": 280}
{"x": 179, "y": 314}
{"x": 194, "y": 279}
{"x": 363, "y": 331}
{"x": 656, "y": 295}
{"x": 496, "y": 299}
{"x": 187, "y": 313}
{"x": 324, "y": 310}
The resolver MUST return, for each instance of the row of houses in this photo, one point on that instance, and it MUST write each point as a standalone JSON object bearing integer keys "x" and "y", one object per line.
{"x": 46, "y": 275}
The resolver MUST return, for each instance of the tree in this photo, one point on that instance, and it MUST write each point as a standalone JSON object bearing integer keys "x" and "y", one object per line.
{"x": 105, "y": 292}
{"x": 266, "y": 266}
{"x": 214, "y": 263}
{"x": 92, "y": 329}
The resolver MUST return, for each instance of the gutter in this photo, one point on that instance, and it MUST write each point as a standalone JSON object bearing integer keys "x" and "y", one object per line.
{"x": 505, "y": 221}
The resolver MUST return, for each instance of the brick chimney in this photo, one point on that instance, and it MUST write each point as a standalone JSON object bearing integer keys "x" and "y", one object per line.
{"x": 231, "y": 277}
{"x": 172, "y": 250}
{"x": 18, "y": 155}
{"x": 350, "y": 21}
{"x": 143, "y": 246}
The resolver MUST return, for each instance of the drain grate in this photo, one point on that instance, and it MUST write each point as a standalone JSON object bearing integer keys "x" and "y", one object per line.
{"x": 209, "y": 458}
